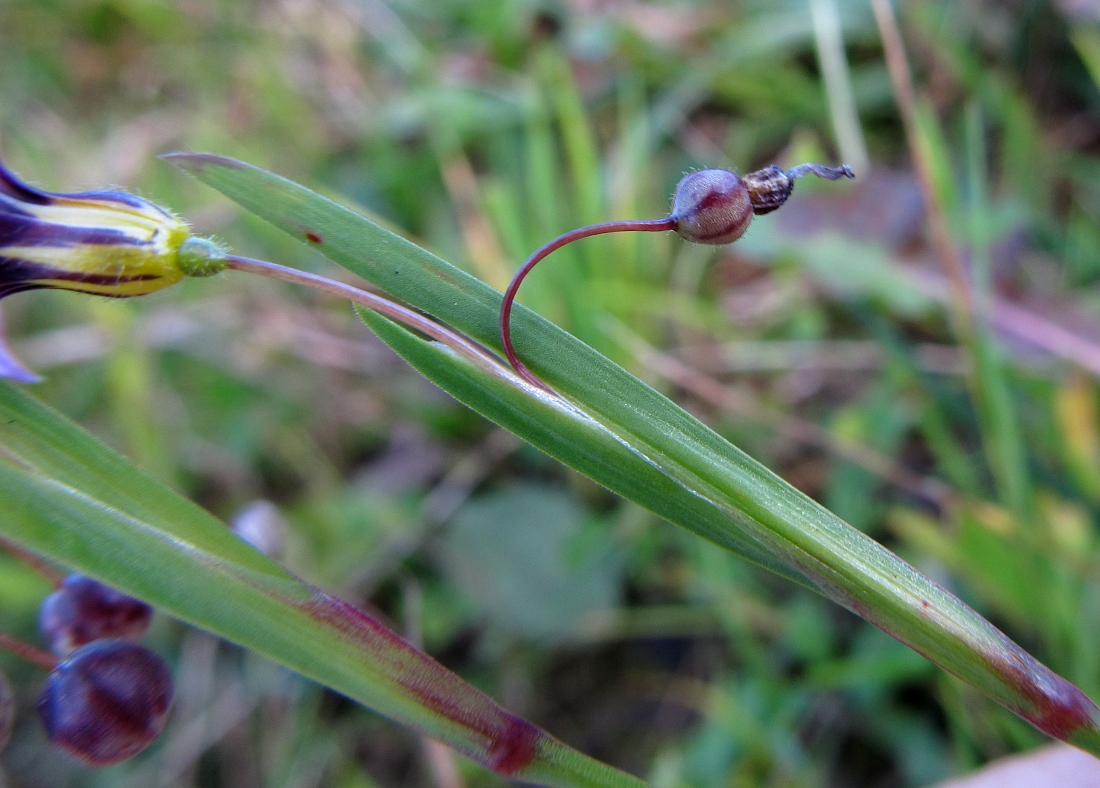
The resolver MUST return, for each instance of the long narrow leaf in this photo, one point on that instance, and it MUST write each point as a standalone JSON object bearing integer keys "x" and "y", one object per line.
{"x": 749, "y": 509}
{"x": 67, "y": 496}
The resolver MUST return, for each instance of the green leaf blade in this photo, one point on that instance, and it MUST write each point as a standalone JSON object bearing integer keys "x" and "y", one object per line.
{"x": 778, "y": 523}
{"x": 143, "y": 539}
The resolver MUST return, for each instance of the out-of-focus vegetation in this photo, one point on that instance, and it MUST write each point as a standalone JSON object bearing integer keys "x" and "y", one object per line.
{"x": 819, "y": 343}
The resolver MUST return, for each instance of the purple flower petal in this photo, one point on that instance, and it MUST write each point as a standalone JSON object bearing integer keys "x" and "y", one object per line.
{"x": 13, "y": 187}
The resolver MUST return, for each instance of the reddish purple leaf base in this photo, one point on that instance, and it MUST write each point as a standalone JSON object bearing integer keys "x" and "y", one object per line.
{"x": 1054, "y": 705}
{"x": 1058, "y": 707}
{"x": 509, "y": 744}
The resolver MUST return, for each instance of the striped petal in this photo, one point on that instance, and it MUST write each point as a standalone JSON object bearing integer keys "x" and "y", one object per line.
{"x": 106, "y": 243}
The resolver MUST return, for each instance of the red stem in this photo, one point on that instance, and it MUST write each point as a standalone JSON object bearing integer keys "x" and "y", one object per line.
{"x": 35, "y": 562}
{"x": 43, "y": 659}
{"x": 640, "y": 225}
{"x": 457, "y": 342}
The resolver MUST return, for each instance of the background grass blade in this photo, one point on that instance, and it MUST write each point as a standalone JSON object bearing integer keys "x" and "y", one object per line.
{"x": 68, "y": 497}
{"x": 705, "y": 469}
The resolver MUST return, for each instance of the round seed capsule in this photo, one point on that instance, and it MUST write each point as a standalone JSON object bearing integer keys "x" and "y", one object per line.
{"x": 107, "y": 702}
{"x": 83, "y": 610}
{"x": 711, "y": 207}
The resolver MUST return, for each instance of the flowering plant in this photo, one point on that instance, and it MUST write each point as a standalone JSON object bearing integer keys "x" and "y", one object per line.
{"x": 72, "y": 500}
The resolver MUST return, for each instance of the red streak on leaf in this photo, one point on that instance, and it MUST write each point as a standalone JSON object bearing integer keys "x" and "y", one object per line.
{"x": 1053, "y": 705}
{"x": 313, "y": 237}
{"x": 509, "y": 744}
{"x": 1059, "y": 708}
{"x": 515, "y": 748}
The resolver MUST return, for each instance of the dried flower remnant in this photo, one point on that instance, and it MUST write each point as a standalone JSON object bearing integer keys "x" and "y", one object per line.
{"x": 106, "y": 243}
{"x": 709, "y": 207}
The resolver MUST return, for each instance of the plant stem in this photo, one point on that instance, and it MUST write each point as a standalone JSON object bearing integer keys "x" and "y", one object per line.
{"x": 626, "y": 226}
{"x": 962, "y": 299}
{"x": 402, "y": 314}
{"x": 970, "y": 314}
{"x": 26, "y": 651}
{"x": 35, "y": 562}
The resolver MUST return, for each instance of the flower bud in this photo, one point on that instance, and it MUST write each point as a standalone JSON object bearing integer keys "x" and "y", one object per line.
{"x": 261, "y": 524}
{"x": 106, "y": 243}
{"x": 711, "y": 207}
{"x": 83, "y": 610}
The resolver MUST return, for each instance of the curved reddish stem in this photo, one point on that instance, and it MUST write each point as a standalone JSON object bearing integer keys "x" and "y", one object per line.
{"x": 640, "y": 225}
{"x": 402, "y": 314}
{"x": 35, "y": 562}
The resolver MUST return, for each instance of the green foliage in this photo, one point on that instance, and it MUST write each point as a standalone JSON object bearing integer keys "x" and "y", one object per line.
{"x": 70, "y": 499}
{"x": 458, "y": 122}
{"x": 530, "y": 564}
{"x": 624, "y": 435}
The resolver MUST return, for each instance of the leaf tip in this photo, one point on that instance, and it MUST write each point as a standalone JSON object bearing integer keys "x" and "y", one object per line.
{"x": 196, "y": 162}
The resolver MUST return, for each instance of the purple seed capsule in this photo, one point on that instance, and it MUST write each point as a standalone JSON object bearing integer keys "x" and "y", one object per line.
{"x": 83, "y": 610}
{"x": 712, "y": 207}
{"x": 709, "y": 207}
{"x": 107, "y": 702}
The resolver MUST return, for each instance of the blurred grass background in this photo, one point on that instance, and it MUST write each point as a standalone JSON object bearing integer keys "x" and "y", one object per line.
{"x": 820, "y": 343}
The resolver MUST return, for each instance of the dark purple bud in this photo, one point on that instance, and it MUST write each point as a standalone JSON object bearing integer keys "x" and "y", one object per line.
{"x": 7, "y": 711}
{"x": 83, "y": 610}
{"x": 711, "y": 207}
{"x": 107, "y": 702}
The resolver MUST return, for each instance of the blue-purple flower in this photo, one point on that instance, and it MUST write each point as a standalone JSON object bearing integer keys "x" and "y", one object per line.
{"x": 106, "y": 243}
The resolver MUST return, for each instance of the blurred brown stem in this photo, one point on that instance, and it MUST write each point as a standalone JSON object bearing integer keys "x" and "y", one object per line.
{"x": 35, "y": 562}
{"x": 962, "y": 297}
{"x": 26, "y": 651}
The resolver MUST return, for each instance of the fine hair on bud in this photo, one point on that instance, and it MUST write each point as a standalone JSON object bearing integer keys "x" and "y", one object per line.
{"x": 709, "y": 207}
